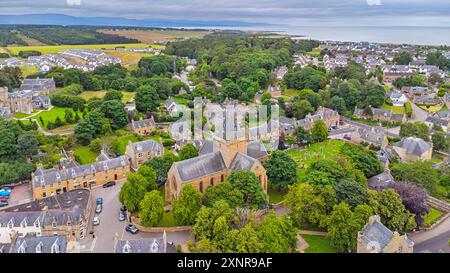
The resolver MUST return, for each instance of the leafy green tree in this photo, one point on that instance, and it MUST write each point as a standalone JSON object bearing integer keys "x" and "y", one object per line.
{"x": 247, "y": 183}
{"x": 301, "y": 108}
{"x": 281, "y": 170}
{"x": 388, "y": 204}
{"x": 207, "y": 217}
{"x": 309, "y": 204}
{"x": 303, "y": 136}
{"x": 402, "y": 58}
{"x": 133, "y": 191}
{"x": 364, "y": 159}
{"x": 146, "y": 98}
{"x": 185, "y": 209}
{"x": 418, "y": 172}
{"x": 27, "y": 144}
{"x": 416, "y": 129}
{"x": 115, "y": 111}
{"x": 440, "y": 141}
{"x": 223, "y": 191}
{"x": 188, "y": 151}
{"x": 350, "y": 192}
{"x": 338, "y": 104}
{"x": 161, "y": 165}
{"x": 113, "y": 95}
{"x": 244, "y": 240}
{"x": 152, "y": 209}
{"x": 277, "y": 234}
{"x": 232, "y": 91}
{"x": 150, "y": 176}
{"x": 319, "y": 131}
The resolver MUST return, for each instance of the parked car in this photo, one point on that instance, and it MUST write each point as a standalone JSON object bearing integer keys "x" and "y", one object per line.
{"x": 98, "y": 209}
{"x": 109, "y": 184}
{"x": 3, "y": 199}
{"x": 4, "y": 194}
{"x": 96, "y": 221}
{"x": 99, "y": 200}
{"x": 131, "y": 229}
{"x": 8, "y": 189}
{"x": 121, "y": 216}
{"x": 123, "y": 208}
{"x": 3, "y": 204}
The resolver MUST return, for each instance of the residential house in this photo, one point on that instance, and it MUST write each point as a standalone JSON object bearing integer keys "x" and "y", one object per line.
{"x": 141, "y": 151}
{"x": 415, "y": 90}
{"x": 143, "y": 127}
{"x": 329, "y": 116}
{"x": 411, "y": 149}
{"x": 152, "y": 245}
{"x": 372, "y": 135}
{"x": 398, "y": 99}
{"x": 377, "y": 238}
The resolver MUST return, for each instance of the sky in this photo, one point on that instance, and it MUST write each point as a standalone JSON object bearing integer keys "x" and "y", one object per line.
{"x": 280, "y": 12}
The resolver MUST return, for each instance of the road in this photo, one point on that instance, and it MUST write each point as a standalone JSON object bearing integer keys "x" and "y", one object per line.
{"x": 110, "y": 226}
{"x": 418, "y": 113}
{"x": 433, "y": 240}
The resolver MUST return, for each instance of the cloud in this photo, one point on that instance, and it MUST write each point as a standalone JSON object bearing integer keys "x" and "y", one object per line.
{"x": 374, "y": 2}
{"x": 73, "y": 2}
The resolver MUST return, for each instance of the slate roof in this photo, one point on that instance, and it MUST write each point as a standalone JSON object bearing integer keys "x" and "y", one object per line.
{"x": 146, "y": 146}
{"x": 381, "y": 181}
{"x": 242, "y": 162}
{"x": 207, "y": 147}
{"x": 256, "y": 149}
{"x": 17, "y": 217}
{"x": 142, "y": 123}
{"x": 372, "y": 134}
{"x": 154, "y": 245}
{"x": 200, "y": 166}
{"x": 377, "y": 235}
{"x": 41, "y": 244}
{"x": 415, "y": 146}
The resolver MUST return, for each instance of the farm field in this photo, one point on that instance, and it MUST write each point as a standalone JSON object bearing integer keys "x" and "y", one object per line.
{"x": 318, "y": 244}
{"x": 127, "y": 96}
{"x": 48, "y": 49}
{"x": 324, "y": 150}
{"x": 150, "y": 36}
{"x": 129, "y": 59}
{"x": 30, "y": 41}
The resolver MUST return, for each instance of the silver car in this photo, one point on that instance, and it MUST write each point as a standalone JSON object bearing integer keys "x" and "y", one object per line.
{"x": 98, "y": 209}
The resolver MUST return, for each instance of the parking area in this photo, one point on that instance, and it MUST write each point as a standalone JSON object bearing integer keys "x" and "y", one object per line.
{"x": 110, "y": 228}
{"x": 20, "y": 194}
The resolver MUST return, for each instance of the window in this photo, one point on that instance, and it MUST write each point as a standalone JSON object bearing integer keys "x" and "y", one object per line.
{"x": 44, "y": 194}
{"x": 54, "y": 225}
{"x": 55, "y": 248}
{"x": 212, "y": 181}
{"x": 221, "y": 178}
{"x": 126, "y": 248}
{"x": 37, "y": 224}
{"x": 201, "y": 186}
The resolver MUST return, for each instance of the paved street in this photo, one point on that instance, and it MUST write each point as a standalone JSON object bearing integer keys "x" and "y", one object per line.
{"x": 110, "y": 226}
{"x": 433, "y": 240}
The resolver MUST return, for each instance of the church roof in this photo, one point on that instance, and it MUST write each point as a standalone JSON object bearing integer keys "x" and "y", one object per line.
{"x": 200, "y": 166}
{"x": 242, "y": 162}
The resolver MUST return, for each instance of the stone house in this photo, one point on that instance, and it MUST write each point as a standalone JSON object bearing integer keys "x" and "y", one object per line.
{"x": 139, "y": 152}
{"x": 48, "y": 182}
{"x": 373, "y": 136}
{"x": 152, "y": 245}
{"x": 143, "y": 126}
{"x": 377, "y": 238}
{"x": 329, "y": 117}
{"x": 411, "y": 149}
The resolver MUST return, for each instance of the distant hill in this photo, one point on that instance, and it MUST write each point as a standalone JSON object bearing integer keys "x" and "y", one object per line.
{"x": 66, "y": 20}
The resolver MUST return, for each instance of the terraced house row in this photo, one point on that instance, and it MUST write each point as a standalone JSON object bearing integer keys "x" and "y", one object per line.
{"x": 48, "y": 182}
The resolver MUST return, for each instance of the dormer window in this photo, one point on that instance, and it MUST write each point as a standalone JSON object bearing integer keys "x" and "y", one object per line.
{"x": 73, "y": 173}
{"x": 126, "y": 248}
{"x": 37, "y": 224}
{"x": 11, "y": 223}
{"x": 23, "y": 224}
{"x": 39, "y": 248}
{"x": 154, "y": 247}
{"x": 55, "y": 247}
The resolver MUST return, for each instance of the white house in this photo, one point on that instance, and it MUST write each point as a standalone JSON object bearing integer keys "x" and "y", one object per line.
{"x": 398, "y": 99}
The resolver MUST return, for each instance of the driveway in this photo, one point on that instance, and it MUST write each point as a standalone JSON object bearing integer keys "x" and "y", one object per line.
{"x": 110, "y": 227}
{"x": 20, "y": 194}
{"x": 418, "y": 113}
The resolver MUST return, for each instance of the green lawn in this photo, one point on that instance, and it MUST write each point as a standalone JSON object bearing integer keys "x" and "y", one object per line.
{"x": 275, "y": 196}
{"x": 394, "y": 109}
{"x": 52, "y": 114}
{"x": 168, "y": 220}
{"x": 324, "y": 150}
{"x": 318, "y": 244}
{"x": 290, "y": 92}
{"x": 123, "y": 142}
{"x": 21, "y": 115}
{"x": 84, "y": 155}
{"x": 432, "y": 216}
{"x": 127, "y": 96}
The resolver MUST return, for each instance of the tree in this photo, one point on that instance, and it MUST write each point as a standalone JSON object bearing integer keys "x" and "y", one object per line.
{"x": 146, "y": 98}
{"x": 232, "y": 90}
{"x": 319, "y": 131}
{"x": 247, "y": 183}
{"x": 344, "y": 225}
{"x": 281, "y": 170}
{"x": 402, "y": 58}
{"x": 113, "y": 95}
{"x": 389, "y": 206}
{"x": 440, "y": 141}
{"x": 185, "y": 209}
{"x": 115, "y": 111}
{"x": 207, "y": 217}
{"x": 149, "y": 175}
{"x": 27, "y": 144}
{"x": 350, "y": 192}
{"x": 188, "y": 151}
{"x": 244, "y": 240}
{"x": 161, "y": 165}
{"x": 133, "y": 191}
{"x": 416, "y": 129}
{"x": 277, "y": 234}
{"x": 364, "y": 159}
{"x": 414, "y": 198}
{"x": 300, "y": 108}
{"x": 223, "y": 191}
{"x": 152, "y": 209}
{"x": 338, "y": 104}
{"x": 420, "y": 173}
{"x": 310, "y": 204}
{"x": 303, "y": 136}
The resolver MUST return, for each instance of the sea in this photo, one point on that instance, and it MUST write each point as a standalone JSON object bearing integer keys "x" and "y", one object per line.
{"x": 435, "y": 36}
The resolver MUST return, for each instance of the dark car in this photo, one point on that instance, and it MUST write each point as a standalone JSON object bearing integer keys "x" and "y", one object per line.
{"x": 3, "y": 204}
{"x": 121, "y": 216}
{"x": 123, "y": 208}
{"x": 109, "y": 184}
{"x": 131, "y": 229}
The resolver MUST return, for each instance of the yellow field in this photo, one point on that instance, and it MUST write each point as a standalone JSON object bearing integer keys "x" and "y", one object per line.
{"x": 55, "y": 49}
{"x": 150, "y": 36}
{"x": 128, "y": 58}
{"x": 29, "y": 70}
{"x": 127, "y": 96}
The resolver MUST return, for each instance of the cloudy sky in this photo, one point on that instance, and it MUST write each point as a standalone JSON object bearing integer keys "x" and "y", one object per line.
{"x": 285, "y": 12}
